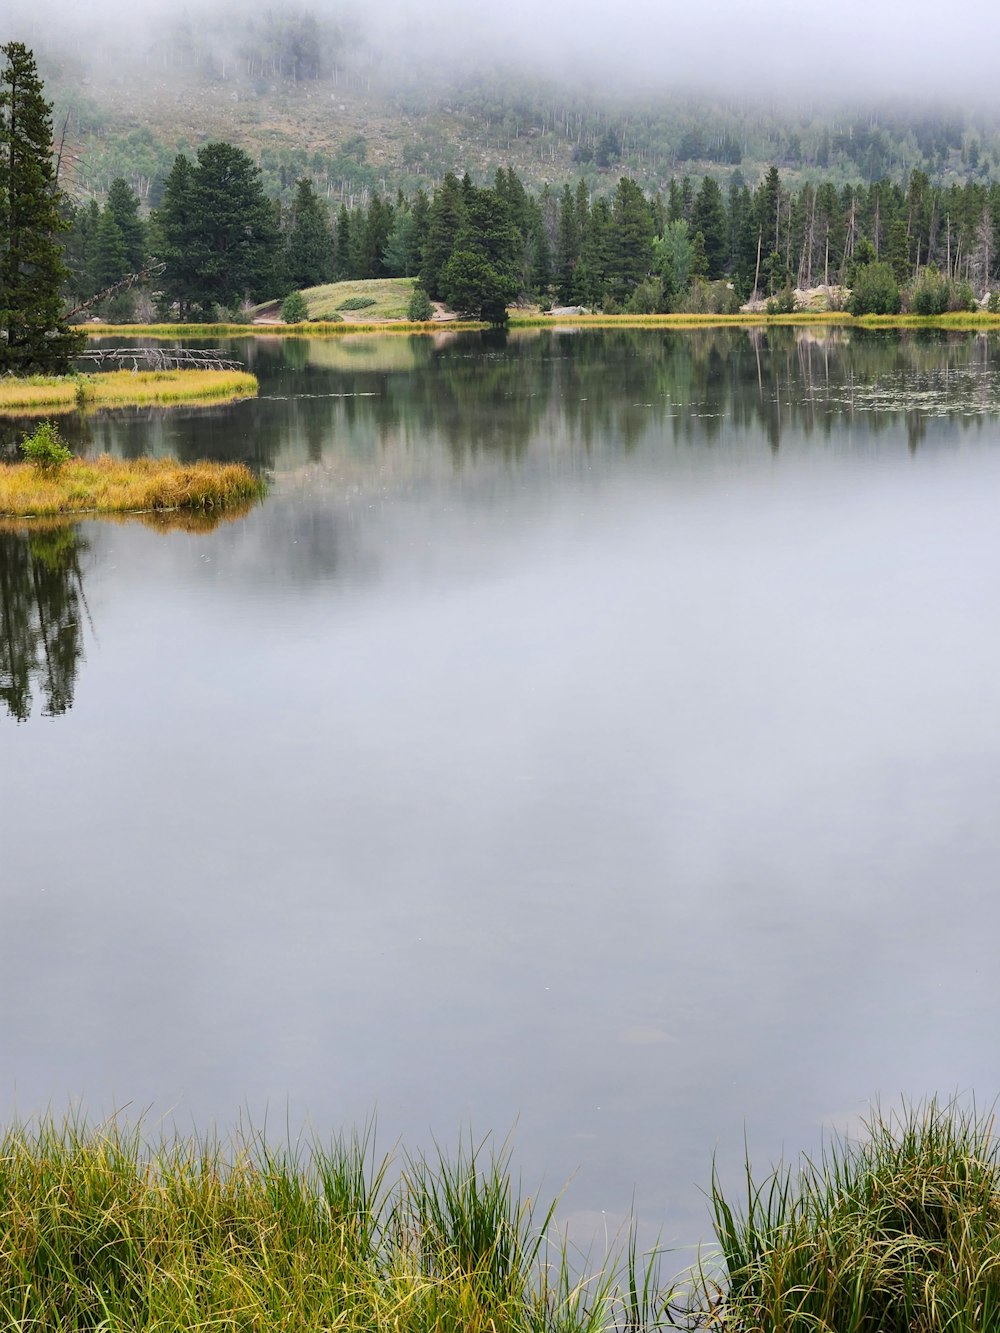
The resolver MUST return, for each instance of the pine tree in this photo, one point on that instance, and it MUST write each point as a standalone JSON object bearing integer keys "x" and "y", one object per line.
{"x": 309, "y": 250}
{"x": 33, "y": 335}
{"x": 123, "y": 206}
{"x": 216, "y": 230}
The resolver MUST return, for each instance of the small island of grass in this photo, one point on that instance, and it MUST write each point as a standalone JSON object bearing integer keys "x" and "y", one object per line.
{"x": 122, "y": 388}
{"x": 118, "y": 486}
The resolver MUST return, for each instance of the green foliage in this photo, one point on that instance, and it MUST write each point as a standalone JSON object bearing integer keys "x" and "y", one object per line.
{"x": 99, "y": 1231}
{"x": 420, "y": 309}
{"x": 708, "y": 298}
{"x": 783, "y": 303}
{"x": 929, "y": 294}
{"x": 33, "y": 334}
{"x": 45, "y": 447}
{"x": 309, "y": 245}
{"x": 357, "y": 303}
{"x": 875, "y": 291}
{"x": 294, "y": 309}
{"x": 900, "y": 1231}
{"x": 215, "y": 231}
{"x": 647, "y": 299}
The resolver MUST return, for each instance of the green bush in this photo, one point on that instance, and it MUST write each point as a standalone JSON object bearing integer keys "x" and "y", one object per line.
{"x": 876, "y": 291}
{"x": 708, "y": 298}
{"x": 357, "y": 303}
{"x": 420, "y": 309}
{"x": 647, "y": 299}
{"x": 45, "y": 447}
{"x": 294, "y": 309}
{"x": 782, "y": 303}
{"x": 929, "y": 293}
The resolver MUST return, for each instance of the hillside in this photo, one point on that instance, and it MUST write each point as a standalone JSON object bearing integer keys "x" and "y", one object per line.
{"x": 303, "y": 99}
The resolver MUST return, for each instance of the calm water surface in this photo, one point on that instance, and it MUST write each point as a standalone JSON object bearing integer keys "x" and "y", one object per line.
{"x": 593, "y": 736}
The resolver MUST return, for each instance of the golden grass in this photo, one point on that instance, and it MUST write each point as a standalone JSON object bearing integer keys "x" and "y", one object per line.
{"x": 120, "y": 388}
{"x": 314, "y": 329}
{"x": 108, "y": 485}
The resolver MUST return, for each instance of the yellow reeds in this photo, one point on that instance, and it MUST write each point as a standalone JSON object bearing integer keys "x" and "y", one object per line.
{"x": 112, "y": 485}
{"x": 119, "y": 388}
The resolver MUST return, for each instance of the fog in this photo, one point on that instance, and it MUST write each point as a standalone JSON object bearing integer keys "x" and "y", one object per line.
{"x": 765, "y": 53}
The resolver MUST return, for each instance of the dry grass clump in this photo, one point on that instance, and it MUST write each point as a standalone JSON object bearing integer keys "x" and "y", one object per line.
{"x": 896, "y": 1234}
{"x": 117, "y": 388}
{"x": 108, "y": 485}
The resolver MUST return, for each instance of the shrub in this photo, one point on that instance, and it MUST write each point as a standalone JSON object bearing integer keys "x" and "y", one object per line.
{"x": 294, "y": 309}
{"x": 929, "y": 294}
{"x": 420, "y": 309}
{"x": 783, "y": 303}
{"x": 357, "y": 303}
{"x": 647, "y": 299}
{"x": 45, "y": 447}
{"x": 876, "y": 291}
{"x": 708, "y": 298}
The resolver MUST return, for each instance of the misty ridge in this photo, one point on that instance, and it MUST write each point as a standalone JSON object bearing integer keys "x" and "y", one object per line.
{"x": 396, "y": 95}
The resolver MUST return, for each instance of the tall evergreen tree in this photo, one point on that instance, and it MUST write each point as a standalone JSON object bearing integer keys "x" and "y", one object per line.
{"x": 708, "y": 215}
{"x": 445, "y": 219}
{"x": 33, "y": 335}
{"x": 174, "y": 229}
{"x": 309, "y": 248}
{"x": 632, "y": 251}
{"x": 568, "y": 247}
{"x": 123, "y": 205}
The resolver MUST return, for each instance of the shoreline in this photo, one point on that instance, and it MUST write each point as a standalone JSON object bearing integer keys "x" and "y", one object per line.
{"x": 955, "y": 322}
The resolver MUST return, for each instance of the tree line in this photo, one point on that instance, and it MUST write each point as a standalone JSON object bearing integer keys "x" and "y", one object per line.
{"x": 480, "y": 248}
{"x": 217, "y": 241}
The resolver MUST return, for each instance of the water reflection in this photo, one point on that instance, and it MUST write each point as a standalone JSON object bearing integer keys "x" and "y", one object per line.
{"x": 474, "y": 395}
{"x": 42, "y": 613}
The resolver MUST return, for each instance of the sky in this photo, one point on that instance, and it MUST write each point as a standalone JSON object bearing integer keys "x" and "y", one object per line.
{"x": 866, "y": 48}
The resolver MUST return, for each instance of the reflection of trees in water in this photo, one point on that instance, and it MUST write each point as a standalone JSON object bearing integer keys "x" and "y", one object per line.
{"x": 610, "y": 388}
{"x": 42, "y": 606}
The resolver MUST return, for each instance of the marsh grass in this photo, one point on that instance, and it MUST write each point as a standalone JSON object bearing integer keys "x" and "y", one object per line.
{"x": 100, "y": 1231}
{"x": 112, "y": 485}
{"x": 117, "y": 388}
{"x": 895, "y": 1233}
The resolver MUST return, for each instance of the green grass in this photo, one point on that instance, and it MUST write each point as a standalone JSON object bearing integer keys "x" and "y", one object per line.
{"x": 380, "y": 298}
{"x": 99, "y": 1231}
{"x": 897, "y": 1233}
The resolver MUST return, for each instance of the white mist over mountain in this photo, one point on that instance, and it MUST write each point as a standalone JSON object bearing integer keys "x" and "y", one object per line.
{"x": 859, "y": 49}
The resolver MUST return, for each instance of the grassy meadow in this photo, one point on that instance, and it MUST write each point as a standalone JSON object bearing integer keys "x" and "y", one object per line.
{"x": 120, "y": 388}
{"x": 108, "y": 485}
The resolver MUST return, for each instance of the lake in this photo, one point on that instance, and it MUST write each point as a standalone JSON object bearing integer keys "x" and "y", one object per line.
{"x": 593, "y": 738}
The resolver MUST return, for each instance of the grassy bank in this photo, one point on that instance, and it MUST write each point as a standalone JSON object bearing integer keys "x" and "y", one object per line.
{"x": 313, "y": 329}
{"x": 121, "y": 388}
{"x": 899, "y": 1231}
{"x": 112, "y": 485}
{"x": 320, "y": 329}
{"x": 99, "y": 1232}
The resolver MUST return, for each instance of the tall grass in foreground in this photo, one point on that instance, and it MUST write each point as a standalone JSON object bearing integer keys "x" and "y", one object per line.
{"x": 899, "y": 1233}
{"x": 99, "y": 1232}
{"x": 115, "y": 485}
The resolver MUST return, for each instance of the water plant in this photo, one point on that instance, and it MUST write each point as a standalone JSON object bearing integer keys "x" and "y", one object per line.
{"x": 897, "y": 1231}
{"x": 99, "y": 1230}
